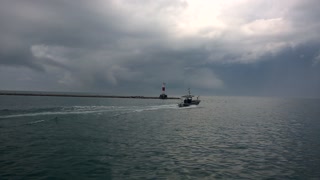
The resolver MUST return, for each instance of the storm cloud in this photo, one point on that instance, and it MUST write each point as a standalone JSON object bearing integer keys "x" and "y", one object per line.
{"x": 242, "y": 47}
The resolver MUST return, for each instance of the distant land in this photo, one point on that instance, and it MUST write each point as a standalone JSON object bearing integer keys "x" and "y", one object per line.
{"x": 73, "y": 94}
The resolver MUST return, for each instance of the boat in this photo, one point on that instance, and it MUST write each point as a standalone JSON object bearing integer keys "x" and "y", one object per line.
{"x": 187, "y": 100}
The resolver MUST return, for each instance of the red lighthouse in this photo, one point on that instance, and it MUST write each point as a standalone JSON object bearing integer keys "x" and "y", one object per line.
{"x": 163, "y": 88}
{"x": 163, "y": 95}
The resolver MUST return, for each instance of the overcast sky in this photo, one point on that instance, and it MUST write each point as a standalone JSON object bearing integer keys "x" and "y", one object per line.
{"x": 229, "y": 47}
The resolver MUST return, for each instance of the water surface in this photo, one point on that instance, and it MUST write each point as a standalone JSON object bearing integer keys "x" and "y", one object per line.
{"x": 222, "y": 138}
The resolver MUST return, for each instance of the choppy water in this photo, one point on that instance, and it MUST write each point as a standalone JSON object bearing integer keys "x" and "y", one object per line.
{"x": 222, "y": 138}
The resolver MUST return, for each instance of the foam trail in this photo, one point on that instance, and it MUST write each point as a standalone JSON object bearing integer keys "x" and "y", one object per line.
{"x": 48, "y": 113}
{"x": 159, "y": 107}
{"x": 72, "y": 110}
{"x": 93, "y": 109}
{"x": 189, "y": 107}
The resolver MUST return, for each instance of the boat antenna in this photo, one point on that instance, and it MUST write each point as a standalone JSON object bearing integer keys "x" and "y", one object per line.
{"x": 189, "y": 91}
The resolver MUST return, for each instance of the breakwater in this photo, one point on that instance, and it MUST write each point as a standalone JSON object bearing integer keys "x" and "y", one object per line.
{"x": 77, "y": 95}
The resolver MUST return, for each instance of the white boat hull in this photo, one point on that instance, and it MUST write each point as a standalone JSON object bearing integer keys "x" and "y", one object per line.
{"x": 185, "y": 104}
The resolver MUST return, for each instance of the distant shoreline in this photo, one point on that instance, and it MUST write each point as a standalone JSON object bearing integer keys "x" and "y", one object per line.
{"x": 77, "y": 95}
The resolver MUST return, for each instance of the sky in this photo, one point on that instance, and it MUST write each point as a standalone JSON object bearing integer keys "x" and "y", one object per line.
{"x": 129, "y": 47}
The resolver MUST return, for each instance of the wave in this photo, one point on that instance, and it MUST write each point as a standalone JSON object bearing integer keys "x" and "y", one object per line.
{"x": 36, "y": 122}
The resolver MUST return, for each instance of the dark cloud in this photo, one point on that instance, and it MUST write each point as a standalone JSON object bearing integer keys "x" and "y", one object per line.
{"x": 234, "y": 48}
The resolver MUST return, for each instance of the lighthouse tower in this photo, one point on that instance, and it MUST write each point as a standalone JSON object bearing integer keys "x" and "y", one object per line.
{"x": 163, "y": 94}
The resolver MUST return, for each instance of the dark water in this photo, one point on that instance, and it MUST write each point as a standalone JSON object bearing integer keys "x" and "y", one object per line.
{"x": 222, "y": 138}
